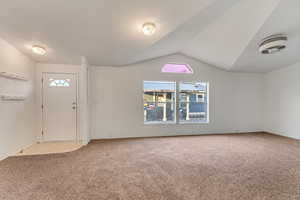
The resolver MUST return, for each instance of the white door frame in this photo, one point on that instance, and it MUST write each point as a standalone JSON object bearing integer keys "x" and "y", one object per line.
{"x": 77, "y": 137}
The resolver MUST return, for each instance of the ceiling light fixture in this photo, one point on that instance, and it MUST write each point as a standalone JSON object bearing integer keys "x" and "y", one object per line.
{"x": 149, "y": 28}
{"x": 38, "y": 50}
{"x": 273, "y": 44}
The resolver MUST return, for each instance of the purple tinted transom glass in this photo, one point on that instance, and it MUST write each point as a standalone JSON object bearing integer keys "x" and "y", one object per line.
{"x": 176, "y": 68}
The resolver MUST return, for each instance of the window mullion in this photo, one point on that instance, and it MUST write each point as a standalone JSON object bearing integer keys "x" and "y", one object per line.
{"x": 177, "y": 102}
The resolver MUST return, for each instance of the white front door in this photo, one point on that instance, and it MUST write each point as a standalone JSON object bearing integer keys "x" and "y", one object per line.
{"x": 59, "y": 107}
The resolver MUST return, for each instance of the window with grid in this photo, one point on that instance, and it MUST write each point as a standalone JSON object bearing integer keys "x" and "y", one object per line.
{"x": 160, "y": 102}
{"x": 193, "y": 102}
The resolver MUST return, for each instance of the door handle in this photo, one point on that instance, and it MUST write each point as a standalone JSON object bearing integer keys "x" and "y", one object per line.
{"x": 74, "y": 105}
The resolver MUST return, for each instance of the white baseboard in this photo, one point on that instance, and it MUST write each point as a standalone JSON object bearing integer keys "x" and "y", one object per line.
{"x": 83, "y": 142}
{"x": 3, "y": 156}
{"x": 6, "y": 155}
{"x": 283, "y": 135}
{"x": 176, "y": 135}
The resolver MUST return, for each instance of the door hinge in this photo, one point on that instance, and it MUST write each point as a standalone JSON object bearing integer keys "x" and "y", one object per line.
{"x": 42, "y": 106}
{"x": 42, "y": 132}
{"x": 42, "y": 80}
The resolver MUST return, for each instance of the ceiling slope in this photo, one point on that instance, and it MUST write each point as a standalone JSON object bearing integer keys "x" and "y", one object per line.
{"x": 175, "y": 40}
{"x": 285, "y": 19}
{"x": 108, "y": 33}
{"x": 105, "y": 32}
{"x": 222, "y": 42}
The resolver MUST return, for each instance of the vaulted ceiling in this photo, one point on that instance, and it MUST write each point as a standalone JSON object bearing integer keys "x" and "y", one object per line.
{"x": 222, "y": 33}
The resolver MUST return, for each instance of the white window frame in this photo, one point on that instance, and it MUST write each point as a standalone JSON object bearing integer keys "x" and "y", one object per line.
{"x": 176, "y": 120}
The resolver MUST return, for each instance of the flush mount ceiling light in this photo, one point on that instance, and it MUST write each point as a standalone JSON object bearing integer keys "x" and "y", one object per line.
{"x": 273, "y": 44}
{"x": 38, "y": 50}
{"x": 149, "y": 28}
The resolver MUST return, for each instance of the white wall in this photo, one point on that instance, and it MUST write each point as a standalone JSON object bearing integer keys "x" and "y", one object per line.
{"x": 239, "y": 102}
{"x": 282, "y": 101}
{"x": 117, "y": 103}
{"x": 85, "y": 113}
{"x": 17, "y": 119}
{"x": 82, "y": 104}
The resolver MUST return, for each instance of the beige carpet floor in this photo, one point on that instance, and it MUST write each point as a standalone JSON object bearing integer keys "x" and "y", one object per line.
{"x": 213, "y": 167}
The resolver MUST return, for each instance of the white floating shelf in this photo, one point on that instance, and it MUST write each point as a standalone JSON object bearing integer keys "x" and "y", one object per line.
{"x": 13, "y": 76}
{"x": 12, "y": 98}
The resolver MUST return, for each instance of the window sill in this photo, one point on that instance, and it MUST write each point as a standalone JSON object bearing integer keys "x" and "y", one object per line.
{"x": 159, "y": 123}
{"x": 175, "y": 123}
{"x": 204, "y": 122}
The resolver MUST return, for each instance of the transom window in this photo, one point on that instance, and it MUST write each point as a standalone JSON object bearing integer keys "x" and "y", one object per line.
{"x": 166, "y": 103}
{"x": 177, "y": 68}
{"x": 59, "y": 82}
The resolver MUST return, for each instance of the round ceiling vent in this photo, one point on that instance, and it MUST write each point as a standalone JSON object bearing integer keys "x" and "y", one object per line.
{"x": 273, "y": 44}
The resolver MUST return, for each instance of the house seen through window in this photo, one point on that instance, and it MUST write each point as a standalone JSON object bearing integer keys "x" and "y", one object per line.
{"x": 193, "y": 102}
{"x": 160, "y": 102}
